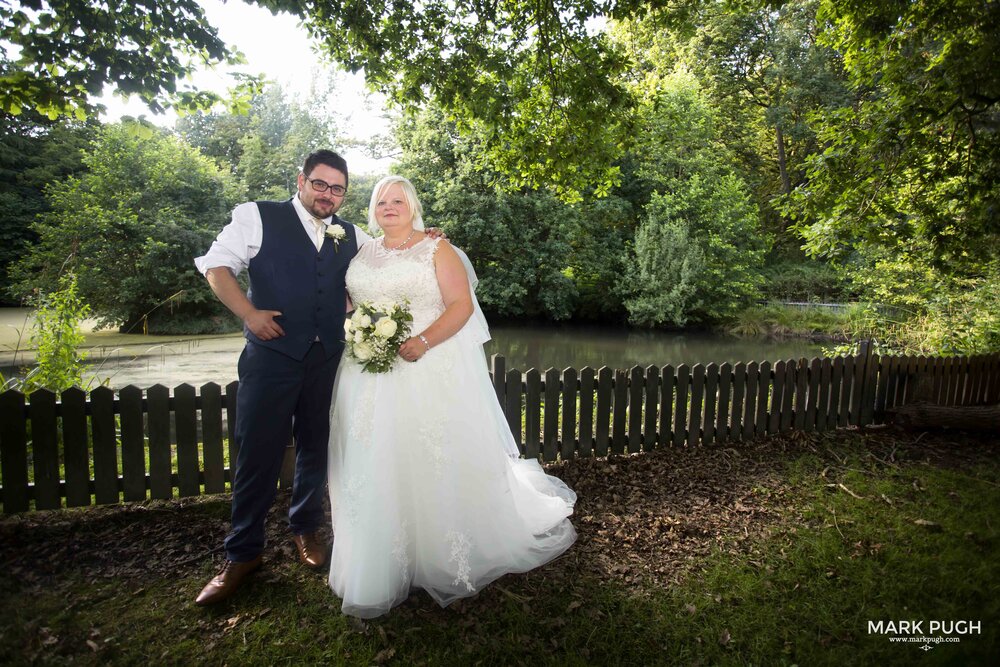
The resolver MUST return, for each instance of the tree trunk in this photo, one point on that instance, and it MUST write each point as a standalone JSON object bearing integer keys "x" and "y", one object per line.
{"x": 925, "y": 416}
{"x": 786, "y": 183}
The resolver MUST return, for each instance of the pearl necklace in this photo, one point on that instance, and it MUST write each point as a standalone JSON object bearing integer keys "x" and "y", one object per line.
{"x": 401, "y": 244}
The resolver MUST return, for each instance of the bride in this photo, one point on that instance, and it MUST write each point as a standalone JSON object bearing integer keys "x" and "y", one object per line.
{"x": 426, "y": 486}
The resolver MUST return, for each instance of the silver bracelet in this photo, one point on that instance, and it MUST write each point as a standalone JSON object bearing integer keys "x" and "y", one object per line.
{"x": 421, "y": 337}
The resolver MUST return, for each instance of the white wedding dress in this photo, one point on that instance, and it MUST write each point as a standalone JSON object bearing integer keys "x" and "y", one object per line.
{"x": 425, "y": 484}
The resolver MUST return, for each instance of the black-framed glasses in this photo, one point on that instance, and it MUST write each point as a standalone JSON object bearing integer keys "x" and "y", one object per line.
{"x": 323, "y": 186}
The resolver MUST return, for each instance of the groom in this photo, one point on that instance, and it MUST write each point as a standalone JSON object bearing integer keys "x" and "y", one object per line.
{"x": 296, "y": 253}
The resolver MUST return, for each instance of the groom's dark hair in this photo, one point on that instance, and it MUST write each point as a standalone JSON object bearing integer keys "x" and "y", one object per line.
{"x": 329, "y": 158}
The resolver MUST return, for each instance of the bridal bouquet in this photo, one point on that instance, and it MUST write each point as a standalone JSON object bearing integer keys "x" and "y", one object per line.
{"x": 375, "y": 331}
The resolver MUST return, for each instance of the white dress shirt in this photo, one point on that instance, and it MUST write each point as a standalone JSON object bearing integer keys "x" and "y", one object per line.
{"x": 240, "y": 240}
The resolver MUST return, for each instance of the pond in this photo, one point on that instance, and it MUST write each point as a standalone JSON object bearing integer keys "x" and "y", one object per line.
{"x": 148, "y": 360}
{"x": 621, "y": 347}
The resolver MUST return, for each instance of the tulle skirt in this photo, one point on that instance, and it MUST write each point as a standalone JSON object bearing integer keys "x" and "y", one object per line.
{"x": 424, "y": 489}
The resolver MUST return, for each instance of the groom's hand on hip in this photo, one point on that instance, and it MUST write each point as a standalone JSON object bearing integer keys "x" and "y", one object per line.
{"x": 262, "y": 325}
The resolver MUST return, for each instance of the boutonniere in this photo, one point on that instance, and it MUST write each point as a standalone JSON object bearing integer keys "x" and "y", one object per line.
{"x": 337, "y": 233}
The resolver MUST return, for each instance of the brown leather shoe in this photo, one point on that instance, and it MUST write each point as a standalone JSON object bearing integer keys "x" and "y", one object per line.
{"x": 226, "y": 581}
{"x": 311, "y": 549}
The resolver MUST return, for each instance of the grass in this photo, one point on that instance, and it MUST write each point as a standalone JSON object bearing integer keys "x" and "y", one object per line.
{"x": 780, "y": 554}
{"x": 838, "y": 561}
{"x": 777, "y": 320}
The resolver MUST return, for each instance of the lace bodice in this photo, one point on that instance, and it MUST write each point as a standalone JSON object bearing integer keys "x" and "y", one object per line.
{"x": 377, "y": 274}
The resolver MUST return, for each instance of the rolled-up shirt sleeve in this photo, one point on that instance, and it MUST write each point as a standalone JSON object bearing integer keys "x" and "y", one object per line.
{"x": 236, "y": 244}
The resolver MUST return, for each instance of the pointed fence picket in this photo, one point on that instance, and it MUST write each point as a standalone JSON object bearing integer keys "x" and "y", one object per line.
{"x": 78, "y": 449}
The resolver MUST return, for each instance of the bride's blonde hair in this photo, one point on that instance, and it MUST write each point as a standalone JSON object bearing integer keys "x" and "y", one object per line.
{"x": 409, "y": 192}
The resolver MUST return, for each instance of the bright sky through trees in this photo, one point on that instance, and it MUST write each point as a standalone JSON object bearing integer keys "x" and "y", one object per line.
{"x": 279, "y": 48}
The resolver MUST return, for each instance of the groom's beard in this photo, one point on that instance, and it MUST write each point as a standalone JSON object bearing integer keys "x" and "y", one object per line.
{"x": 323, "y": 209}
{"x": 320, "y": 207}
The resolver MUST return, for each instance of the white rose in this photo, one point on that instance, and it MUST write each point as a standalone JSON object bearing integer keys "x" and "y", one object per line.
{"x": 347, "y": 326}
{"x": 386, "y": 327}
{"x": 358, "y": 336}
{"x": 362, "y": 321}
{"x": 362, "y": 351}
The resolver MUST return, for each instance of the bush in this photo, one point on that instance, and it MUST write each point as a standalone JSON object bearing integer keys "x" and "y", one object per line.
{"x": 697, "y": 254}
{"x": 955, "y": 322}
{"x": 804, "y": 281}
{"x": 922, "y": 309}
{"x": 57, "y": 339}
{"x": 667, "y": 265}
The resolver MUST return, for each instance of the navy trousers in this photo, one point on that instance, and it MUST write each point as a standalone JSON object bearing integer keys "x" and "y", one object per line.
{"x": 278, "y": 396}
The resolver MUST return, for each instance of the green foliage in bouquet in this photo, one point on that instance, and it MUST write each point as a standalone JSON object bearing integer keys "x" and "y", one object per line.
{"x": 375, "y": 332}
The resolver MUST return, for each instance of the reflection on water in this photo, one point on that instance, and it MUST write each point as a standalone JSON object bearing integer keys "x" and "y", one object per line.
{"x": 617, "y": 347}
{"x": 195, "y": 362}
{"x": 148, "y": 360}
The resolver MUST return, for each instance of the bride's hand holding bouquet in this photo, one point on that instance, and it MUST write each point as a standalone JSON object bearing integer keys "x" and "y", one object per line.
{"x": 374, "y": 333}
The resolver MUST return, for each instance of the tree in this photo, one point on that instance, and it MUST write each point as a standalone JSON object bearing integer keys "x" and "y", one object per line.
{"x": 217, "y": 134}
{"x": 764, "y": 71}
{"x": 915, "y": 161}
{"x": 516, "y": 241}
{"x": 540, "y": 85}
{"x": 265, "y": 147}
{"x": 699, "y": 251}
{"x": 531, "y": 74}
{"x": 70, "y": 50}
{"x": 769, "y": 73}
{"x": 769, "y": 58}
{"x": 34, "y": 153}
{"x": 914, "y": 307}
{"x": 698, "y": 254}
{"x": 598, "y": 232}
{"x": 359, "y": 192}
{"x": 129, "y": 227}
{"x": 905, "y": 190}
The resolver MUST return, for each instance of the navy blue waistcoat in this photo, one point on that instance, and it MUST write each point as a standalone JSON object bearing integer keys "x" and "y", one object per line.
{"x": 307, "y": 286}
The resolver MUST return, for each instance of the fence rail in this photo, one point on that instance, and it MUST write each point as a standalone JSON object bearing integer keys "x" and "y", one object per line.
{"x": 78, "y": 449}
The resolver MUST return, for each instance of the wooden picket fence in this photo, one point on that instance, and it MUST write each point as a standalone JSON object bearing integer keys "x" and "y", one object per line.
{"x": 78, "y": 449}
